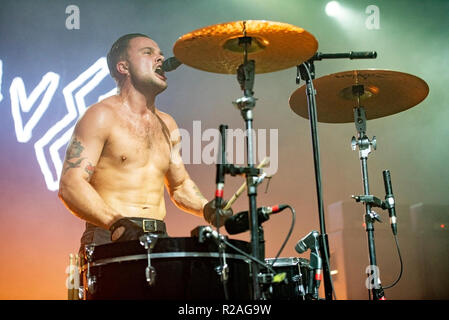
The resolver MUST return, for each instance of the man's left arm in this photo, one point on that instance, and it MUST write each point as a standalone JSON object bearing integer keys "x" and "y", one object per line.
{"x": 184, "y": 193}
{"x": 182, "y": 190}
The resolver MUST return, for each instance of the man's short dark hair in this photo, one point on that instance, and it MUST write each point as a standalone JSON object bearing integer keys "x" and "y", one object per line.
{"x": 118, "y": 52}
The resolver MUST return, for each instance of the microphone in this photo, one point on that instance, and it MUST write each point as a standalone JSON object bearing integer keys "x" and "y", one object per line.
{"x": 310, "y": 241}
{"x": 170, "y": 64}
{"x": 389, "y": 198}
{"x": 239, "y": 222}
{"x": 362, "y": 55}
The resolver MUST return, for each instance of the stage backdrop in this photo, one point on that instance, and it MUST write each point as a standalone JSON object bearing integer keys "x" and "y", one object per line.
{"x": 52, "y": 67}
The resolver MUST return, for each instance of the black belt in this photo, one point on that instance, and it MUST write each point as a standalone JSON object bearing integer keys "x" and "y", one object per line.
{"x": 150, "y": 225}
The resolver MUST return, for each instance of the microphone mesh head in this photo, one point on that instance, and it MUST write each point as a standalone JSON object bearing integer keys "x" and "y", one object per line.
{"x": 170, "y": 64}
{"x": 301, "y": 247}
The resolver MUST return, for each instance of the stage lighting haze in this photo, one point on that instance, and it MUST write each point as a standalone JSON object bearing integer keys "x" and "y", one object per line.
{"x": 333, "y": 8}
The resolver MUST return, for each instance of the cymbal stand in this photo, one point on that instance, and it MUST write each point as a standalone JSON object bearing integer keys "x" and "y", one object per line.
{"x": 364, "y": 145}
{"x": 245, "y": 77}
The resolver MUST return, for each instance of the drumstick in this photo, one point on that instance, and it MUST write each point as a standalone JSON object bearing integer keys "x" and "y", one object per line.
{"x": 265, "y": 162}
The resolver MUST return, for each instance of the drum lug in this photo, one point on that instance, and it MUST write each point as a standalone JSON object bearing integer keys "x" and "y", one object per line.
{"x": 223, "y": 272}
{"x": 265, "y": 278}
{"x": 148, "y": 241}
{"x": 81, "y": 293}
{"x": 223, "y": 268}
{"x": 91, "y": 284}
{"x": 91, "y": 280}
{"x": 266, "y": 281}
{"x": 296, "y": 278}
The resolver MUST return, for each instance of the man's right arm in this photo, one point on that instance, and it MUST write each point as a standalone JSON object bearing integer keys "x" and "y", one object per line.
{"x": 82, "y": 155}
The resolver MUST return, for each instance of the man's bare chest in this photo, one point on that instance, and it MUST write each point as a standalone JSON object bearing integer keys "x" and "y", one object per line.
{"x": 138, "y": 143}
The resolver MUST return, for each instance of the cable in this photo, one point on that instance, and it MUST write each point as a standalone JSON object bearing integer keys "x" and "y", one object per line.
{"x": 400, "y": 259}
{"x": 247, "y": 255}
{"x": 401, "y": 268}
{"x": 328, "y": 266}
{"x": 288, "y": 234}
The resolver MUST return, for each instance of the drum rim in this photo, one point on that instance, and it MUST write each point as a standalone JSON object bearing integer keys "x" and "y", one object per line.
{"x": 163, "y": 245}
{"x": 166, "y": 255}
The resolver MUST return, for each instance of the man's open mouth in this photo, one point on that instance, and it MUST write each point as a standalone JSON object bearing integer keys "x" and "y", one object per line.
{"x": 160, "y": 72}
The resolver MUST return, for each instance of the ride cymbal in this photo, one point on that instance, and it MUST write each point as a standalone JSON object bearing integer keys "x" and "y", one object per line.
{"x": 380, "y": 92}
{"x": 217, "y": 48}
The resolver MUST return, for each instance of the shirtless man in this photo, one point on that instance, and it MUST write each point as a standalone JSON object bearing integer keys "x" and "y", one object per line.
{"x": 123, "y": 151}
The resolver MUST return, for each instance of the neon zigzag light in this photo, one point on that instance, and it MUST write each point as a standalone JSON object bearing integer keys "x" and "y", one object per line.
{"x": 20, "y": 103}
{"x": 98, "y": 71}
{"x": 75, "y": 105}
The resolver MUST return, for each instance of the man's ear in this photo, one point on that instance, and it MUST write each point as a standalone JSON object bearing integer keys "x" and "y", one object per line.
{"x": 122, "y": 67}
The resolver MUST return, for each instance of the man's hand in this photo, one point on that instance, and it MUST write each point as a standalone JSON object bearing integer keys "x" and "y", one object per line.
{"x": 210, "y": 211}
{"x": 124, "y": 229}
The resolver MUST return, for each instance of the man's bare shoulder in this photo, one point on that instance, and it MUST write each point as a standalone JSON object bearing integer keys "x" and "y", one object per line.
{"x": 101, "y": 113}
{"x": 168, "y": 120}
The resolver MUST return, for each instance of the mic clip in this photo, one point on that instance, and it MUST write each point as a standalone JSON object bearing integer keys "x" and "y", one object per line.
{"x": 375, "y": 202}
{"x": 389, "y": 202}
{"x": 374, "y": 216}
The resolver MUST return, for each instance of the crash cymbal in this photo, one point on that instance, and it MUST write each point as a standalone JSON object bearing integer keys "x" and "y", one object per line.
{"x": 274, "y": 46}
{"x": 380, "y": 92}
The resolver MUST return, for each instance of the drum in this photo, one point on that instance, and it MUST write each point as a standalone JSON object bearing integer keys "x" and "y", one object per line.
{"x": 185, "y": 269}
{"x": 297, "y": 274}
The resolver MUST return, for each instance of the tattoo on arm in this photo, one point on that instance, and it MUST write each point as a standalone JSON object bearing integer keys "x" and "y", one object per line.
{"x": 74, "y": 152}
{"x": 90, "y": 170}
{"x": 71, "y": 165}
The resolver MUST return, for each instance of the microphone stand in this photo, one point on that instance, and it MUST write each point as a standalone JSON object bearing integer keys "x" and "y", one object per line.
{"x": 314, "y": 275}
{"x": 307, "y": 72}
